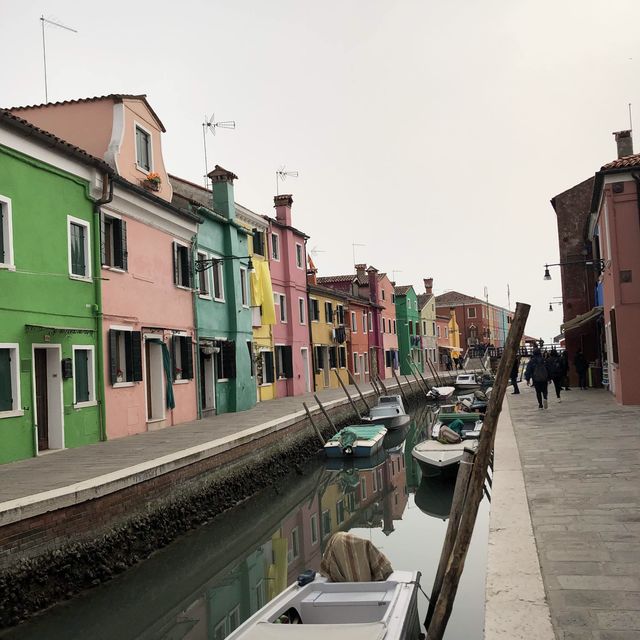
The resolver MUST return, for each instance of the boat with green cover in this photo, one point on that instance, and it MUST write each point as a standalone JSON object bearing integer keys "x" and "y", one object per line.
{"x": 357, "y": 441}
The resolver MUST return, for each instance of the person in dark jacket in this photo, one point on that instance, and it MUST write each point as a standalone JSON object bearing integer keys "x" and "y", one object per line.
{"x": 581, "y": 365}
{"x": 514, "y": 375}
{"x": 564, "y": 356}
{"x": 538, "y": 372}
{"x": 556, "y": 371}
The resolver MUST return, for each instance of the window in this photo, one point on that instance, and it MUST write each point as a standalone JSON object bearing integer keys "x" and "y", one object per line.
{"x": 260, "y": 594}
{"x": 471, "y": 312}
{"x": 244, "y": 291}
{"x": 275, "y": 246}
{"x": 143, "y": 149}
{"x": 389, "y": 326}
{"x": 438, "y": 331}
{"x": 294, "y": 545}
{"x": 393, "y": 297}
{"x": 326, "y": 523}
{"x": 333, "y": 357}
{"x": 319, "y": 358}
{"x": 234, "y": 619}
{"x": 113, "y": 242}
{"x": 6, "y": 234}
{"x": 370, "y": 321}
{"x": 410, "y": 327}
{"x": 383, "y": 296}
{"x": 354, "y": 322}
{"x": 315, "y": 310}
{"x": 328, "y": 312}
{"x": 182, "y": 265}
{"x": 284, "y": 362}
{"x": 281, "y": 301}
{"x": 342, "y": 356}
{"x": 226, "y": 360}
{"x": 220, "y": 630}
{"x": 302, "y": 311}
{"x": 218, "y": 282}
{"x": 252, "y": 362}
{"x": 84, "y": 380}
{"x": 204, "y": 286}
{"x": 355, "y": 363}
{"x": 125, "y": 356}
{"x": 314, "y": 528}
{"x": 433, "y": 328}
{"x": 182, "y": 357}
{"x": 340, "y": 511}
{"x": 446, "y": 332}
{"x": 79, "y": 248}
{"x": 366, "y": 363}
{"x": 9, "y": 380}
{"x": 363, "y": 488}
{"x": 266, "y": 360}
{"x": 258, "y": 242}
{"x": 388, "y": 358}
{"x": 424, "y": 327}
{"x": 395, "y": 329}
{"x": 614, "y": 336}
{"x": 382, "y": 323}
{"x": 299, "y": 256}
{"x": 340, "y": 314}
{"x": 364, "y": 322}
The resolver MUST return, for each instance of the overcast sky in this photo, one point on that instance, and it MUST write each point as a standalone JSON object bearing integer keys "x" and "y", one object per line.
{"x": 434, "y": 133}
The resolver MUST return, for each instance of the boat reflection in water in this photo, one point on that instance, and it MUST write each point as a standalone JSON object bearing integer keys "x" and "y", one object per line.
{"x": 434, "y": 496}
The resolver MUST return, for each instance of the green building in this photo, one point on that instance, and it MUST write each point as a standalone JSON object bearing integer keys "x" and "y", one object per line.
{"x": 50, "y": 357}
{"x": 409, "y": 339}
{"x": 222, "y": 297}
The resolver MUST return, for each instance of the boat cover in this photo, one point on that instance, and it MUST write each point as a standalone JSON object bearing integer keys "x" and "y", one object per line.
{"x": 349, "y": 558}
{"x": 360, "y": 631}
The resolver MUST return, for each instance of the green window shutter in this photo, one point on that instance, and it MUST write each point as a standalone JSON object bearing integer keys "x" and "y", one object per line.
{"x": 187, "y": 358}
{"x": 6, "y": 393}
{"x": 2, "y": 216}
{"x": 136, "y": 356}
{"x": 113, "y": 360}
{"x": 175, "y": 348}
{"x": 103, "y": 240}
{"x": 78, "y": 266}
{"x": 81, "y": 377}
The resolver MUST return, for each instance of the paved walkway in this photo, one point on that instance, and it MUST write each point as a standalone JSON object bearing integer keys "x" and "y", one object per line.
{"x": 61, "y": 469}
{"x": 581, "y": 464}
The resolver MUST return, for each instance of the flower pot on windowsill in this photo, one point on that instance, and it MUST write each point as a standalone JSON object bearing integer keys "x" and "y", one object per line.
{"x": 151, "y": 185}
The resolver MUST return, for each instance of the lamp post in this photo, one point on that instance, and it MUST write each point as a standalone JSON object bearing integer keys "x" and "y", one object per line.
{"x": 597, "y": 264}
{"x": 554, "y": 302}
{"x": 208, "y": 263}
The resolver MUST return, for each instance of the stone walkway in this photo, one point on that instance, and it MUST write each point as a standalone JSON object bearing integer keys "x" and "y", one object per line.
{"x": 581, "y": 464}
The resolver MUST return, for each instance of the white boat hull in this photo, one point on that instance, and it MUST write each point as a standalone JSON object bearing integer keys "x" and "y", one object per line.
{"x": 435, "y": 457}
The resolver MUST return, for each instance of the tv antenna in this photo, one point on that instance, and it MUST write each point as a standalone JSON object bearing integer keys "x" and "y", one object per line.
{"x": 393, "y": 275}
{"x": 283, "y": 174}
{"x": 353, "y": 248}
{"x": 53, "y": 23}
{"x": 211, "y": 124}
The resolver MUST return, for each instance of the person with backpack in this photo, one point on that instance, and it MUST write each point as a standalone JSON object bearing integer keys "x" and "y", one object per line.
{"x": 556, "y": 371}
{"x": 537, "y": 372}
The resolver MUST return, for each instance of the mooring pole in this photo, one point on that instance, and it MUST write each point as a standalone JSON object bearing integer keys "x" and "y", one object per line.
{"x": 408, "y": 382}
{"x": 326, "y": 415}
{"x": 313, "y": 424}
{"x": 395, "y": 375}
{"x": 386, "y": 393}
{"x": 355, "y": 384}
{"x": 344, "y": 388}
{"x": 455, "y": 565}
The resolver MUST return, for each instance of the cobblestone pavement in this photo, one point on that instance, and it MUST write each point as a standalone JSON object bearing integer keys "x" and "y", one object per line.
{"x": 581, "y": 464}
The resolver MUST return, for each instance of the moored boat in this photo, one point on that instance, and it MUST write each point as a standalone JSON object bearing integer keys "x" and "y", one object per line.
{"x": 467, "y": 381}
{"x": 358, "y": 441}
{"x": 440, "y": 393}
{"x": 389, "y": 412}
{"x": 435, "y": 457}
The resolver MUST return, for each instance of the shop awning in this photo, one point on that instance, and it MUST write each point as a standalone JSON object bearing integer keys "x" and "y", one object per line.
{"x": 582, "y": 319}
{"x": 446, "y": 346}
{"x": 42, "y": 327}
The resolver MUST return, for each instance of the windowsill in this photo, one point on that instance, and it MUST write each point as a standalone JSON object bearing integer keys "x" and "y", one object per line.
{"x": 246, "y": 306}
{"x": 266, "y": 384}
{"x": 122, "y": 385}
{"x": 152, "y": 420}
{"x": 16, "y": 413}
{"x": 83, "y": 405}
{"x": 113, "y": 269}
{"x": 143, "y": 170}
{"x": 7, "y": 266}
{"x": 73, "y": 276}
{"x": 181, "y": 286}
{"x": 181, "y": 381}
{"x": 223, "y": 379}
{"x": 218, "y": 300}
{"x": 204, "y": 296}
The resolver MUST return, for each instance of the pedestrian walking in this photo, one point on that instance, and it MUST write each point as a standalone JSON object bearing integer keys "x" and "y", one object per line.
{"x": 564, "y": 356}
{"x": 581, "y": 365}
{"x": 556, "y": 371}
{"x": 514, "y": 375}
{"x": 537, "y": 372}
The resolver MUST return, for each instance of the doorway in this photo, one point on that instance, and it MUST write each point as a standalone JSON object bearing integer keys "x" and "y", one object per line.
{"x": 47, "y": 384}
{"x": 154, "y": 380}
{"x": 305, "y": 365}
{"x": 207, "y": 378}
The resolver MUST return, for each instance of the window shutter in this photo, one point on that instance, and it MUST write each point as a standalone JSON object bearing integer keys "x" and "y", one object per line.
{"x": 187, "y": 358}
{"x": 175, "y": 263}
{"x": 174, "y": 348}
{"x": 81, "y": 375}
{"x": 232, "y": 358}
{"x": 123, "y": 245}
{"x": 189, "y": 271}
{"x": 1, "y": 233}
{"x": 288, "y": 362}
{"x": 136, "y": 355}
{"x": 268, "y": 366}
{"x": 113, "y": 365}
{"x": 279, "y": 358}
{"x": 614, "y": 336}
{"x": 6, "y": 395}
{"x": 103, "y": 240}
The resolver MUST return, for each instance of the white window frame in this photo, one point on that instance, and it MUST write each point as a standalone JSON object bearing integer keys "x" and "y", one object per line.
{"x": 91, "y": 373}
{"x": 395, "y": 328}
{"x": 203, "y": 255}
{"x": 137, "y": 125}
{"x": 317, "y": 305}
{"x": 234, "y": 612}
{"x": 282, "y": 303}
{"x": 120, "y": 329}
{"x": 7, "y": 223}
{"x": 354, "y": 322}
{"x": 87, "y": 248}
{"x": 177, "y": 244}
{"x": 275, "y": 255}
{"x": 366, "y": 362}
{"x": 244, "y": 286}
{"x": 299, "y": 263}
{"x": 369, "y": 321}
{"x": 355, "y": 363}
{"x": 16, "y": 410}
{"x": 313, "y": 526}
{"x": 220, "y": 270}
{"x": 363, "y": 488}
{"x": 302, "y": 310}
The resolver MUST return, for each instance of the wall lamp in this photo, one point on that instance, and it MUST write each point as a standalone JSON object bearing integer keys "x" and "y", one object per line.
{"x": 599, "y": 264}
{"x": 208, "y": 263}
{"x": 552, "y": 303}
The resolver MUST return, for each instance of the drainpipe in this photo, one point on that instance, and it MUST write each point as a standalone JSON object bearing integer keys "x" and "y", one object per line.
{"x": 311, "y": 348}
{"x": 196, "y": 334}
{"x": 107, "y": 196}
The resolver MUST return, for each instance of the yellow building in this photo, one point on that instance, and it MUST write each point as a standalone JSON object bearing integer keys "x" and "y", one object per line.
{"x": 327, "y": 311}
{"x": 261, "y": 304}
{"x": 454, "y": 334}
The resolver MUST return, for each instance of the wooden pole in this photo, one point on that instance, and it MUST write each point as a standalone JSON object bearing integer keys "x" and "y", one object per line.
{"x": 434, "y": 373}
{"x": 408, "y": 382}
{"x": 395, "y": 375}
{"x": 386, "y": 393}
{"x": 374, "y": 385}
{"x": 355, "y": 384}
{"x": 455, "y": 565}
{"x": 415, "y": 377}
{"x": 457, "y": 506}
{"x": 313, "y": 424}
{"x": 424, "y": 381}
{"x": 353, "y": 404}
{"x": 326, "y": 415}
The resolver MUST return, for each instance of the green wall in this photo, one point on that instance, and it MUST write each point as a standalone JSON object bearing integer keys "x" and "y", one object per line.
{"x": 407, "y": 311}
{"x": 40, "y": 292}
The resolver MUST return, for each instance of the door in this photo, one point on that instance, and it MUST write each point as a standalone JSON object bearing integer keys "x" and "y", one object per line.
{"x": 305, "y": 366}
{"x": 42, "y": 398}
{"x": 327, "y": 368}
{"x": 363, "y": 376}
{"x": 207, "y": 381}
{"x": 154, "y": 381}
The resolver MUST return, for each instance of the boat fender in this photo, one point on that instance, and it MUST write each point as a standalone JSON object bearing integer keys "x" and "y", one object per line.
{"x": 348, "y": 451}
{"x": 306, "y": 577}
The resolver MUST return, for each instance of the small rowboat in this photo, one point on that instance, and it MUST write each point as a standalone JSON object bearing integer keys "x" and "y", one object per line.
{"x": 389, "y": 412}
{"x": 357, "y": 441}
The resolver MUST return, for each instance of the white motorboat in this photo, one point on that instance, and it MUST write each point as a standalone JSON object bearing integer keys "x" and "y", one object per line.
{"x": 435, "y": 457}
{"x": 467, "y": 381}
{"x": 389, "y": 412}
{"x": 441, "y": 393}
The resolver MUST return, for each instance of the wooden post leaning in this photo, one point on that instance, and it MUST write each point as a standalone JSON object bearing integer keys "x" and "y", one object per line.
{"x": 313, "y": 424}
{"x": 355, "y": 384}
{"x": 402, "y": 393}
{"x": 424, "y": 381}
{"x": 351, "y": 402}
{"x": 455, "y": 564}
{"x": 386, "y": 393}
{"x": 326, "y": 415}
{"x": 408, "y": 382}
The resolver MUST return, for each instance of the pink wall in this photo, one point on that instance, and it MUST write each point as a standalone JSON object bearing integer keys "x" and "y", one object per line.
{"x": 145, "y": 297}
{"x": 389, "y": 340}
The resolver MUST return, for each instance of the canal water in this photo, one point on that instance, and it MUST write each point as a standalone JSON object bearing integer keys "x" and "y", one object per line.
{"x": 205, "y": 584}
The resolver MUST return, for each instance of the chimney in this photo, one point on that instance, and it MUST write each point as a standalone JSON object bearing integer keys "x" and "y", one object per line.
{"x": 624, "y": 142}
{"x": 223, "y": 201}
{"x": 282, "y": 205}
{"x": 372, "y": 272}
{"x": 312, "y": 271}
{"x": 428, "y": 286}
{"x": 361, "y": 271}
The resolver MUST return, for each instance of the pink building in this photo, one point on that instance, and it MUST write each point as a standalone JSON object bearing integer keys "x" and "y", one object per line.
{"x": 288, "y": 265}
{"x": 615, "y": 231}
{"x": 145, "y": 247}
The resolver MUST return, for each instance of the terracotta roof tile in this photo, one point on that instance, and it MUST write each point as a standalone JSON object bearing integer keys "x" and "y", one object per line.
{"x": 402, "y": 290}
{"x": 623, "y": 163}
{"x": 327, "y": 279}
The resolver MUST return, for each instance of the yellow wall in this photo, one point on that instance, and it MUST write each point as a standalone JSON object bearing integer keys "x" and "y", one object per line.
{"x": 454, "y": 330}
